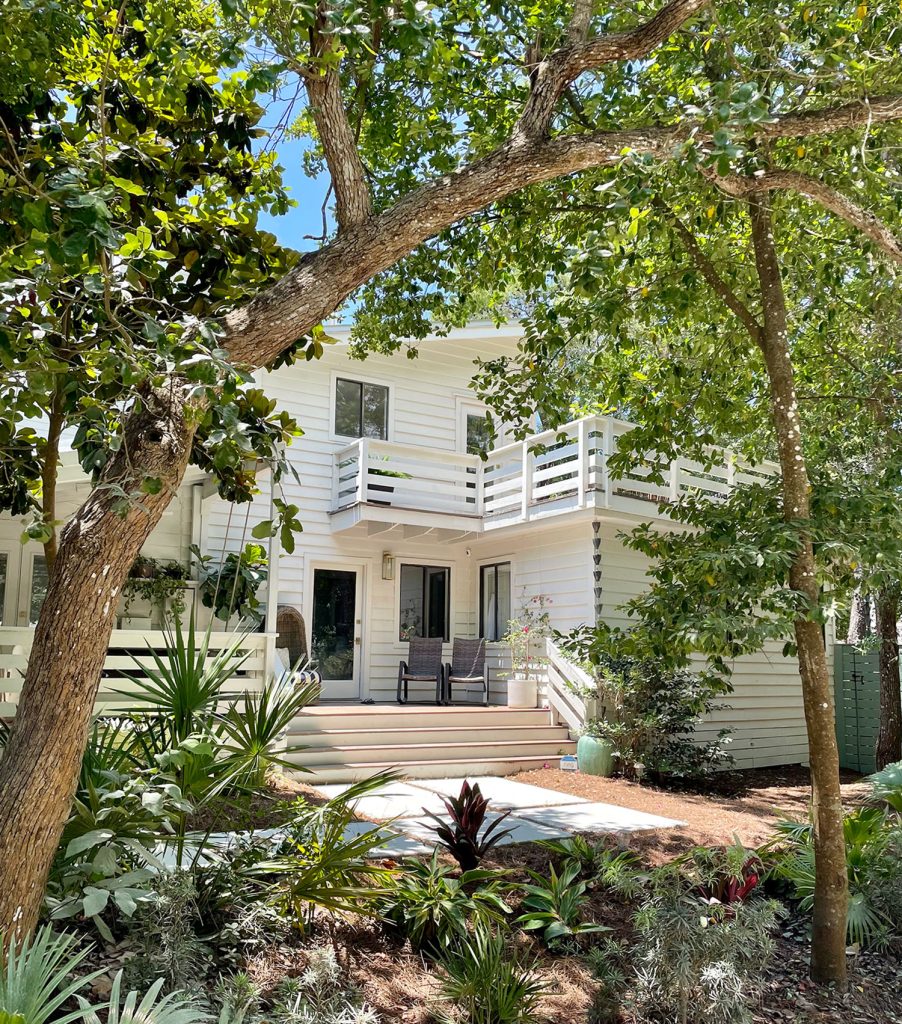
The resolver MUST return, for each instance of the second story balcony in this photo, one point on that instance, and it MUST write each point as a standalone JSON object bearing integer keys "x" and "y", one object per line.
{"x": 378, "y": 485}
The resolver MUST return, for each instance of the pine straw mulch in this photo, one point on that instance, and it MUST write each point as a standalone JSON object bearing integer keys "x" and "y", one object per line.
{"x": 743, "y": 804}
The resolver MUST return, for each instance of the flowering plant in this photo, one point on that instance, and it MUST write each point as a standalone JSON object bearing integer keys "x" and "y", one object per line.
{"x": 531, "y": 626}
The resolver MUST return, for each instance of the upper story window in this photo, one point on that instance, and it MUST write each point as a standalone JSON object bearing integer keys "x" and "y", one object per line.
{"x": 361, "y": 409}
{"x": 494, "y": 600}
{"x": 425, "y": 601}
{"x": 479, "y": 434}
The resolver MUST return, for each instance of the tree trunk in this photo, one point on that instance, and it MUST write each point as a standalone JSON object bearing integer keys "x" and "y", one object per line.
{"x": 828, "y": 937}
{"x": 40, "y": 765}
{"x": 859, "y": 618}
{"x": 889, "y": 735}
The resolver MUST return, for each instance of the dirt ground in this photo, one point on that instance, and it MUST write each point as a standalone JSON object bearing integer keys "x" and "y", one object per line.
{"x": 735, "y": 804}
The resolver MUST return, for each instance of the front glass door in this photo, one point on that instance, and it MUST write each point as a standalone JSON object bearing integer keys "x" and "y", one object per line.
{"x": 336, "y": 631}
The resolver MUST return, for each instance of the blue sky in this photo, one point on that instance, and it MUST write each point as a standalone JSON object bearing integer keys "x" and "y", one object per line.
{"x": 306, "y": 217}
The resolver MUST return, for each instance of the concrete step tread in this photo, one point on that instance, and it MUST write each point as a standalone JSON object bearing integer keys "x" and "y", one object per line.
{"x": 450, "y": 768}
{"x": 438, "y": 730}
{"x": 427, "y": 709}
{"x": 477, "y": 745}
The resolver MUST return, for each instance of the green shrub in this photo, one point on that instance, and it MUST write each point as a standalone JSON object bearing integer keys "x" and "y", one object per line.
{"x": 430, "y": 906}
{"x": 320, "y": 995}
{"x": 648, "y": 711}
{"x": 600, "y": 865}
{"x": 697, "y": 958}
{"x": 321, "y": 864}
{"x": 487, "y": 981}
{"x": 554, "y": 905}
{"x": 152, "y": 1008}
{"x": 887, "y": 785}
{"x": 875, "y": 872}
{"x": 167, "y": 936}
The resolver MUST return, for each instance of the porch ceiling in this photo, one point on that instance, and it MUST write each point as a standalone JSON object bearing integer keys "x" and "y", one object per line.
{"x": 364, "y": 519}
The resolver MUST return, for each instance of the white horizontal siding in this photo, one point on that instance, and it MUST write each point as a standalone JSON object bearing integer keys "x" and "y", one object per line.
{"x": 764, "y": 711}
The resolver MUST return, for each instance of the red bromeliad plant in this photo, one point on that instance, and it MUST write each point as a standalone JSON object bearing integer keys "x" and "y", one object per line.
{"x": 461, "y": 835}
{"x": 727, "y": 876}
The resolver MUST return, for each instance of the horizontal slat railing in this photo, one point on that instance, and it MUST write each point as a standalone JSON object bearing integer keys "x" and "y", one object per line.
{"x": 119, "y": 665}
{"x": 566, "y": 705}
{"x": 549, "y": 471}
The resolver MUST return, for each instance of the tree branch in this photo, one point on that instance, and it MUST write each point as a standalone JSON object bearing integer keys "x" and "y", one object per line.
{"x": 869, "y": 224}
{"x": 554, "y": 74}
{"x": 709, "y": 272}
{"x": 272, "y": 321}
{"x": 353, "y": 202}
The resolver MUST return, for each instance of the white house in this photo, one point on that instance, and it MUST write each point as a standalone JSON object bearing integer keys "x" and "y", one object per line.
{"x": 407, "y": 531}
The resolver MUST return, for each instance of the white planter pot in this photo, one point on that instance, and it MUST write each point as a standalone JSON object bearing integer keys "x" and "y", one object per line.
{"x": 522, "y": 692}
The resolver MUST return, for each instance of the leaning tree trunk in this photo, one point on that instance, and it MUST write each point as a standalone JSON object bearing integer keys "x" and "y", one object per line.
{"x": 828, "y": 936}
{"x": 889, "y": 734}
{"x": 40, "y": 765}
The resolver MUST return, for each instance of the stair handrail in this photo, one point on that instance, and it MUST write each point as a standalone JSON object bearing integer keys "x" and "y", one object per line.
{"x": 563, "y": 677}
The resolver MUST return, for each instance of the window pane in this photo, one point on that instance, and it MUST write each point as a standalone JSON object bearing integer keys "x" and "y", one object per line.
{"x": 39, "y": 580}
{"x": 3, "y": 571}
{"x": 495, "y": 597}
{"x": 347, "y": 408}
{"x": 375, "y": 411}
{"x": 424, "y": 601}
{"x": 479, "y": 434}
{"x": 411, "y": 601}
{"x": 437, "y": 603}
{"x": 504, "y": 597}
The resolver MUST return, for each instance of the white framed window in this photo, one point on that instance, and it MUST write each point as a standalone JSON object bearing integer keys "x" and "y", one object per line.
{"x": 494, "y": 599}
{"x": 424, "y": 601}
{"x": 360, "y": 408}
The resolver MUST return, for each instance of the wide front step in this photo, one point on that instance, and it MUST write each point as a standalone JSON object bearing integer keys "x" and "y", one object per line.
{"x": 342, "y": 744}
{"x": 323, "y": 774}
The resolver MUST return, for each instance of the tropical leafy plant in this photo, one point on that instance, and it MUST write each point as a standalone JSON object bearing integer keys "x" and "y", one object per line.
{"x": 186, "y": 682}
{"x": 728, "y": 875}
{"x": 554, "y": 906}
{"x": 37, "y": 980}
{"x": 869, "y": 858}
{"x": 433, "y": 908}
{"x": 251, "y": 729}
{"x": 322, "y": 863}
{"x": 600, "y": 865}
{"x": 887, "y": 785}
{"x": 488, "y": 981}
{"x": 461, "y": 838}
{"x": 231, "y": 588}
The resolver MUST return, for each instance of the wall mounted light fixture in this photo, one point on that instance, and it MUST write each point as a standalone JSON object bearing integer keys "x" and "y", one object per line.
{"x": 388, "y": 566}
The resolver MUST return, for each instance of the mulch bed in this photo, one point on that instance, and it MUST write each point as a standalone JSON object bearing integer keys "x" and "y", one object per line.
{"x": 743, "y": 805}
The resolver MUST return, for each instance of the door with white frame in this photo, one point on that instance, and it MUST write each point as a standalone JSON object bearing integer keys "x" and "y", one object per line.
{"x": 336, "y": 628}
{"x": 9, "y": 598}
{"x": 473, "y": 430}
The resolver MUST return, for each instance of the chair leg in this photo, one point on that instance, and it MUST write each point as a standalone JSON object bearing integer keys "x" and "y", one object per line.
{"x": 439, "y": 688}
{"x": 485, "y": 693}
{"x": 401, "y": 681}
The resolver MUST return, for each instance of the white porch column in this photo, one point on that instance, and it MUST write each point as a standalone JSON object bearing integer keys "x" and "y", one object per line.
{"x": 274, "y": 553}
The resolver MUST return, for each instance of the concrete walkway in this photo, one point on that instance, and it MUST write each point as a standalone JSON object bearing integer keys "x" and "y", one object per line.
{"x": 535, "y": 813}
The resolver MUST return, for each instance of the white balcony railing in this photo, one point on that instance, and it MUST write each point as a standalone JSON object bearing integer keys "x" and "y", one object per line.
{"x": 552, "y": 471}
{"x": 407, "y": 477}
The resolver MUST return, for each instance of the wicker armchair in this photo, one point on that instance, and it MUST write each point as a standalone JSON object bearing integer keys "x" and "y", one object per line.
{"x": 423, "y": 665}
{"x": 466, "y": 667}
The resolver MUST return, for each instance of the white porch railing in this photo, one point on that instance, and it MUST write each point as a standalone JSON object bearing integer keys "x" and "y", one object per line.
{"x": 15, "y": 647}
{"x": 555, "y": 470}
{"x": 564, "y": 703}
{"x": 407, "y": 476}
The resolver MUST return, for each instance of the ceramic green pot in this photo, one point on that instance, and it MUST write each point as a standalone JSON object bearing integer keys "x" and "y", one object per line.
{"x": 596, "y": 756}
